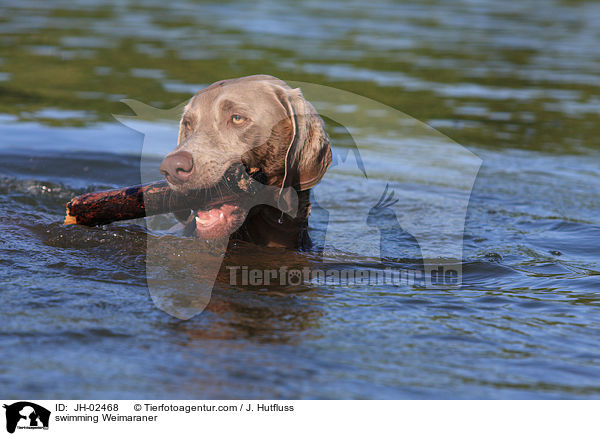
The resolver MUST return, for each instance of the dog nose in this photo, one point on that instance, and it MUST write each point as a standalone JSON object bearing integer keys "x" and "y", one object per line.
{"x": 177, "y": 167}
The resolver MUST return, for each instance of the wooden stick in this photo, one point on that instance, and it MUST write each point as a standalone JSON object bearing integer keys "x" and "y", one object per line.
{"x": 97, "y": 208}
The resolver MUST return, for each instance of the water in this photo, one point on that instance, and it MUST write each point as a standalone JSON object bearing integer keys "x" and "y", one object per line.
{"x": 516, "y": 84}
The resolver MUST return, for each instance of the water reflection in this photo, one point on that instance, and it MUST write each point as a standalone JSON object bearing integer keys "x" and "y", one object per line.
{"x": 515, "y": 83}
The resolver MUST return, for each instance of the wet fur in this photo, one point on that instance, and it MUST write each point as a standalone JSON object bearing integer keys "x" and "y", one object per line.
{"x": 286, "y": 139}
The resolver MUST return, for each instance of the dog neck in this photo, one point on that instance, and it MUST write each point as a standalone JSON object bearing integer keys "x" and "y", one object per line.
{"x": 268, "y": 226}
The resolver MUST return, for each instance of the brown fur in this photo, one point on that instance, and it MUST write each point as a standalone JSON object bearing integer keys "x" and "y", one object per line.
{"x": 282, "y": 134}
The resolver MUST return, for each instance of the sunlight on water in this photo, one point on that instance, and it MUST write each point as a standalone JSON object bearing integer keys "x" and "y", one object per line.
{"x": 513, "y": 86}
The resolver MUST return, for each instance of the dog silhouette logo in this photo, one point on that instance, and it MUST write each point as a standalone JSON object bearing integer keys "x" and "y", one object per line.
{"x": 26, "y": 415}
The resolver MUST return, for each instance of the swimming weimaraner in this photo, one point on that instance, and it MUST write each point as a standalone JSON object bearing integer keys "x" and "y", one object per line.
{"x": 268, "y": 126}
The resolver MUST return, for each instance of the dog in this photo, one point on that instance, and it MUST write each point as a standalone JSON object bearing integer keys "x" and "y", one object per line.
{"x": 264, "y": 124}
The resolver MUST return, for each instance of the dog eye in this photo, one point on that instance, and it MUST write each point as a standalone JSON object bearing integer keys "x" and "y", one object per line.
{"x": 237, "y": 119}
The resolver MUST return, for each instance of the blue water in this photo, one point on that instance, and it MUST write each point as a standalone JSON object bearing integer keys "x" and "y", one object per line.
{"x": 514, "y": 84}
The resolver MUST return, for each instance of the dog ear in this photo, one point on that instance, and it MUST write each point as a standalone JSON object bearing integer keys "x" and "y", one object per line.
{"x": 308, "y": 155}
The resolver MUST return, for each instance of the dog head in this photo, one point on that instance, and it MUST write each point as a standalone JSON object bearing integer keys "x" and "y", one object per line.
{"x": 257, "y": 121}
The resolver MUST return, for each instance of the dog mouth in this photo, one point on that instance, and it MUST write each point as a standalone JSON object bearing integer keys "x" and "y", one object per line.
{"x": 218, "y": 216}
{"x": 219, "y": 220}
